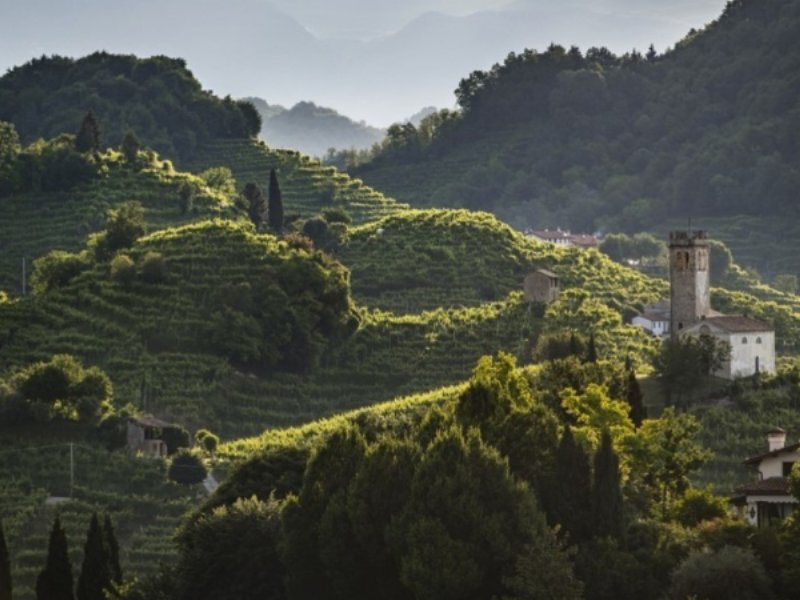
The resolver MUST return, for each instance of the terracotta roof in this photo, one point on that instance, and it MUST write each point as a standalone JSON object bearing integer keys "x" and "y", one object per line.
{"x": 754, "y": 460}
{"x": 547, "y": 273}
{"x": 772, "y": 486}
{"x": 548, "y": 234}
{"x": 584, "y": 239}
{"x": 737, "y": 323}
{"x": 777, "y": 430}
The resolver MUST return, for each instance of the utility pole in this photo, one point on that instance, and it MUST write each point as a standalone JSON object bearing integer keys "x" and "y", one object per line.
{"x": 71, "y": 469}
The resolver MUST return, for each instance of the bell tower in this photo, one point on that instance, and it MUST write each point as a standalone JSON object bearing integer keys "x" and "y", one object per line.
{"x": 689, "y": 279}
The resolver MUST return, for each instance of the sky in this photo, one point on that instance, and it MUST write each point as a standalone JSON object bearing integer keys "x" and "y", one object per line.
{"x": 374, "y": 60}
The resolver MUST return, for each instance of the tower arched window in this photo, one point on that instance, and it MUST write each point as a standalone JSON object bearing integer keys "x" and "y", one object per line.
{"x": 758, "y": 340}
{"x": 744, "y": 340}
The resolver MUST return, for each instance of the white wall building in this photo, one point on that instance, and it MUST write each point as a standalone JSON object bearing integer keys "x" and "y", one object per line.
{"x": 654, "y": 319}
{"x": 752, "y": 344}
{"x": 767, "y": 501}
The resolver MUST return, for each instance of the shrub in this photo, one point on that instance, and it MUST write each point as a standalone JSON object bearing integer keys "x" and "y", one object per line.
{"x": 699, "y": 505}
{"x": 207, "y": 440}
{"x": 123, "y": 269}
{"x": 336, "y": 215}
{"x": 56, "y": 269}
{"x": 730, "y": 574}
{"x": 176, "y": 438}
{"x": 154, "y": 269}
{"x": 187, "y": 468}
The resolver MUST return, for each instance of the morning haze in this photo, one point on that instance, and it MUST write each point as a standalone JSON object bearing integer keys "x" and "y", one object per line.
{"x": 379, "y": 61}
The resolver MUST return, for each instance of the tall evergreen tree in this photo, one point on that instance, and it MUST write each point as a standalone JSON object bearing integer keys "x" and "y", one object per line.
{"x": 95, "y": 573}
{"x": 275, "y": 203}
{"x": 112, "y": 547}
{"x": 571, "y": 505}
{"x": 638, "y": 412}
{"x": 254, "y": 201}
{"x": 606, "y": 492}
{"x": 55, "y": 581}
{"x": 88, "y": 138}
{"x": 5, "y": 567}
{"x": 591, "y": 351}
{"x": 130, "y": 147}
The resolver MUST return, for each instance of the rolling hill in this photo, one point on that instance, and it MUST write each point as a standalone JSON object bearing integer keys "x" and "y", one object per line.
{"x": 595, "y": 141}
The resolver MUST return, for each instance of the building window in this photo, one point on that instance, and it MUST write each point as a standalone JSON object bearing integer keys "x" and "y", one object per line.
{"x": 787, "y": 468}
{"x": 744, "y": 340}
{"x": 758, "y": 340}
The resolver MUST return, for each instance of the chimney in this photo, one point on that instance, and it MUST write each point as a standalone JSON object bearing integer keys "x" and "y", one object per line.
{"x": 776, "y": 438}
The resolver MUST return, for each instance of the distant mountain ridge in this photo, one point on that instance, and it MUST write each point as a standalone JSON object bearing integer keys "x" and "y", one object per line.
{"x": 250, "y": 48}
{"x": 312, "y": 129}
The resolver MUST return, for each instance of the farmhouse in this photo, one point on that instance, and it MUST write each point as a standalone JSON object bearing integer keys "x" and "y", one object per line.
{"x": 654, "y": 319}
{"x": 542, "y": 286}
{"x": 564, "y": 238}
{"x": 768, "y": 500}
{"x": 144, "y": 436}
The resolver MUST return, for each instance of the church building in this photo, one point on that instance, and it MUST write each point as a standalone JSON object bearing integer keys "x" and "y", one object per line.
{"x": 752, "y": 341}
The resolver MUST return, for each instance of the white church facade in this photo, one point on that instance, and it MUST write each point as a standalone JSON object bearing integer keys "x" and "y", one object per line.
{"x": 752, "y": 342}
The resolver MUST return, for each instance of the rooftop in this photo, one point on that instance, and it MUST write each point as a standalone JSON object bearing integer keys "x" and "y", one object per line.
{"x": 772, "y": 486}
{"x": 754, "y": 460}
{"x": 738, "y": 323}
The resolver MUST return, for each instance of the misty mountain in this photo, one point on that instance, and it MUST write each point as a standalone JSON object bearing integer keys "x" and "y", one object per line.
{"x": 312, "y": 129}
{"x": 250, "y": 48}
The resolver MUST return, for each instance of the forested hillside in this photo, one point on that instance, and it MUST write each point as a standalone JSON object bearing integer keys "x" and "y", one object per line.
{"x": 156, "y": 97}
{"x": 561, "y": 138}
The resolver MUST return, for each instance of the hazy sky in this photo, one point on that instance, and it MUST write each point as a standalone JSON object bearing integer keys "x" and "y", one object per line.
{"x": 376, "y": 60}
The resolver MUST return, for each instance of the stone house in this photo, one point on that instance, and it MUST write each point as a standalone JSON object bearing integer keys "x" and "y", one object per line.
{"x": 542, "y": 286}
{"x": 144, "y": 436}
{"x": 768, "y": 500}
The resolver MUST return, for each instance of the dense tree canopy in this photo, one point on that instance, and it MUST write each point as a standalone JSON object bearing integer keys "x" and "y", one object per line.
{"x": 558, "y": 137}
{"x": 156, "y": 97}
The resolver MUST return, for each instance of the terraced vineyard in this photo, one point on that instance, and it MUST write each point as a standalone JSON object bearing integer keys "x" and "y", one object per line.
{"x": 34, "y": 224}
{"x": 307, "y": 186}
{"x": 143, "y": 505}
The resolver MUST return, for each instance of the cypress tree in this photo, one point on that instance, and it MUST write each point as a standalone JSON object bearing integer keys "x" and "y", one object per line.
{"x": 638, "y": 412}
{"x": 606, "y": 492}
{"x": 275, "y": 203}
{"x": 130, "y": 147}
{"x": 5, "y": 567}
{"x": 571, "y": 506}
{"x": 591, "y": 353}
{"x": 88, "y": 138}
{"x": 254, "y": 200}
{"x": 95, "y": 574}
{"x": 55, "y": 581}
{"x": 112, "y": 547}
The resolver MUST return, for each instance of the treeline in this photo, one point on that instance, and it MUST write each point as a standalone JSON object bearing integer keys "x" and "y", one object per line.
{"x": 565, "y": 138}
{"x": 157, "y": 97}
{"x": 526, "y": 485}
{"x": 100, "y": 573}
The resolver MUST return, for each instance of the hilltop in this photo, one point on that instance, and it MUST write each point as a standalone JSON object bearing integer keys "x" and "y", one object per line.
{"x": 158, "y": 98}
{"x": 593, "y": 140}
